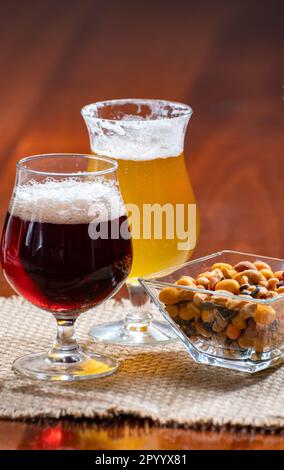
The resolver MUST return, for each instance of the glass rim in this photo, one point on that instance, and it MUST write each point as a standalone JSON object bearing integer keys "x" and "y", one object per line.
{"x": 86, "y": 110}
{"x": 20, "y": 164}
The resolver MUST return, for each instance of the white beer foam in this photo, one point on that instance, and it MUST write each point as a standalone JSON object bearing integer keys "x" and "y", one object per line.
{"x": 136, "y": 139}
{"x": 67, "y": 201}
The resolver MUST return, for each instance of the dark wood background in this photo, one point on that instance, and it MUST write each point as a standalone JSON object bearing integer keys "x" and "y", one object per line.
{"x": 225, "y": 59}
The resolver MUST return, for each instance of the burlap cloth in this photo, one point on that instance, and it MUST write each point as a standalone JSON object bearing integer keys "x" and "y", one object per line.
{"x": 161, "y": 383}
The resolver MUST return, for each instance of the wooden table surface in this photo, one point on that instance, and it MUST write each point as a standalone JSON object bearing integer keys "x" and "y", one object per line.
{"x": 225, "y": 59}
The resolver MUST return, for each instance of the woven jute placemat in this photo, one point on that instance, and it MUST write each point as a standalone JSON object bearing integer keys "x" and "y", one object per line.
{"x": 161, "y": 383}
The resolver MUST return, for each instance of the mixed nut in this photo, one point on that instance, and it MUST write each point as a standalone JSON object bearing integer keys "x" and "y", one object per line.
{"x": 235, "y": 323}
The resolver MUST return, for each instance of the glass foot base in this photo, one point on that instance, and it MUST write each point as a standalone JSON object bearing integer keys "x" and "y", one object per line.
{"x": 90, "y": 366}
{"x": 116, "y": 333}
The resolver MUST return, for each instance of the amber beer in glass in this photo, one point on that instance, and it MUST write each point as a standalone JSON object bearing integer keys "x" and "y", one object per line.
{"x": 146, "y": 138}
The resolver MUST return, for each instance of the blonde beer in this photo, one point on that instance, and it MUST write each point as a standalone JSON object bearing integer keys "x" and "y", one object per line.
{"x": 146, "y": 138}
{"x": 162, "y": 181}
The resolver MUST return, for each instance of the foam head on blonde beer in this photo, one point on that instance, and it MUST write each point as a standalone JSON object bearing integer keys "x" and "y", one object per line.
{"x": 146, "y": 137}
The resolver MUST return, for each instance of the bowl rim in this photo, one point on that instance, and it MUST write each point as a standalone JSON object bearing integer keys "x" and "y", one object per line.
{"x": 151, "y": 278}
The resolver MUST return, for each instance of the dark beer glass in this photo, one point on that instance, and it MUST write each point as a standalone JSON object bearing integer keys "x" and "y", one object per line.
{"x": 66, "y": 248}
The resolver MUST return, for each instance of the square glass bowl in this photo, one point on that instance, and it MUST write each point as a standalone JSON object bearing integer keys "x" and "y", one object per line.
{"x": 261, "y": 342}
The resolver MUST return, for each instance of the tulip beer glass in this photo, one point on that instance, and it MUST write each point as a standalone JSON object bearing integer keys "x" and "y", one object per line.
{"x": 51, "y": 253}
{"x": 146, "y": 138}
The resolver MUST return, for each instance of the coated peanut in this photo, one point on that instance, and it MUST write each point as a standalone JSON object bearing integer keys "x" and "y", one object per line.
{"x": 227, "y": 273}
{"x": 264, "y": 283}
{"x": 172, "y": 310}
{"x": 273, "y": 283}
{"x": 203, "y": 281}
{"x": 219, "y": 300}
{"x": 239, "y": 321}
{"x": 261, "y": 265}
{"x": 184, "y": 295}
{"x": 229, "y": 285}
{"x": 207, "y": 316}
{"x": 253, "y": 276}
{"x": 234, "y": 304}
{"x": 264, "y": 315}
{"x": 219, "y": 324}
{"x": 244, "y": 342}
{"x": 186, "y": 281}
{"x": 202, "y": 331}
{"x": 244, "y": 266}
{"x": 207, "y": 274}
{"x": 169, "y": 295}
{"x": 185, "y": 314}
{"x": 232, "y": 331}
{"x": 199, "y": 299}
{"x": 213, "y": 282}
{"x": 244, "y": 281}
{"x": 248, "y": 310}
{"x": 221, "y": 266}
{"x": 267, "y": 273}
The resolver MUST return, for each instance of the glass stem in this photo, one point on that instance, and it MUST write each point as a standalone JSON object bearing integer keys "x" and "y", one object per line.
{"x": 65, "y": 349}
{"x": 138, "y": 318}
